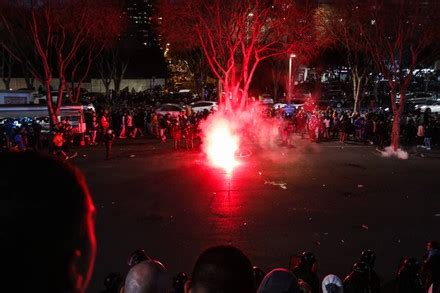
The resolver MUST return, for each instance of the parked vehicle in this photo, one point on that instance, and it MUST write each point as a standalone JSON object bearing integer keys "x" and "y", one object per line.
{"x": 21, "y": 97}
{"x": 171, "y": 109}
{"x": 74, "y": 113}
{"x": 434, "y": 106}
{"x": 300, "y": 96}
{"x": 204, "y": 105}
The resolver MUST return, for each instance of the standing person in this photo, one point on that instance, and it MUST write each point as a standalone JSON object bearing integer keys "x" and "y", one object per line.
{"x": 163, "y": 125}
{"x": 327, "y": 122}
{"x": 37, "y": 135}
{"x": 188, "y": 133}
{"x": 139, "y": 123}
{"x": 154, "y": 125}
{"x": 109, "y": 137}
{"x": 123, "y": 132}
{"x": 431, "y": 266}
{"x": 428, "y": 135}
{"x": 420, "y": 135}
{"x": 104, "y": 123}
{"x": 67, "y": 135}
{"x": 4, "y": 140}
{"x": 93, "y": 129}
{"x": 57, "y": 145}
{"x": 20, "y": 140}
{"x": 176, "y": 134}
{"x": 130, "y": 125}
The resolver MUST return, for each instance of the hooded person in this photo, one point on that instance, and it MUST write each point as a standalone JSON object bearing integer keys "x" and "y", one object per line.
{"x": 359, "y": 280}
{"x": 332, "y": 284}
{"x": 306, "y": 270}
{"x": 409, "y": 279}
{"x": 279, "y": 280}
{"x": 149, "y": 276}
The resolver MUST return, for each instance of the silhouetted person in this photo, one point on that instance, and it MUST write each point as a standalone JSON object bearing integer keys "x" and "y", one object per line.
{"x": 149, "y": 276}
{"x": 221, "y": 269}
{"x": 359, "y": 280}
{"x": 109, "y": 137}
{"x": 306, "y": 270}
{"x": 46, "y": 229}
{"x": 431, "y": 265}
{"x": 409, "y": 279}
{"x": 279, "y": 280}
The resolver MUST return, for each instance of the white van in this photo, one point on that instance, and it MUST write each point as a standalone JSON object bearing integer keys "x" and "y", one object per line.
{"x": 40, "y": 113}
{"x": 17, "y": 97}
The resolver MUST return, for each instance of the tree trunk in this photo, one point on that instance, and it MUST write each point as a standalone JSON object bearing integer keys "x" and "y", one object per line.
{"x": 29, "y": 82}
{"x": 7, "y": 82}
{"x": 395, "y": 132}
{"x": 53, "y": 112}
{"x": 117, "y": 82}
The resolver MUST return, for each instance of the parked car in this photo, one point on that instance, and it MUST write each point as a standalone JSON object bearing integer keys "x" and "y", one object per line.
{"x": 204, "y": 105}
{"x": 172, "y": 109}
{"x": 300, "y": 96}
{"x": 417, "y": 97}
{"x": 333, "y": 98}
{"x": 433, "y": 105}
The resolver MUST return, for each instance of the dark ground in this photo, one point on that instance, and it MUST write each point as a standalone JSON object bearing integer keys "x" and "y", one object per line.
{"x": 336, "y": 201}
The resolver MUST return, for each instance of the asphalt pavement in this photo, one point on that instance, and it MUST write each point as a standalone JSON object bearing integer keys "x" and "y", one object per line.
{"x": 330, "y": 198}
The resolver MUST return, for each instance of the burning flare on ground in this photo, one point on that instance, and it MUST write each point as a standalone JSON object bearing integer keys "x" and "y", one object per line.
{"x": 221, "y": 143}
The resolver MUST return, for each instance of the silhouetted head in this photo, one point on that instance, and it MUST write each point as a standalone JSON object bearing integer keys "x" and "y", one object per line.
{"x": 149, "y": 276}
{"x": 136, "y": 257}
{"x": 369, "y": 257}
{"x": 221, "y": 269}
{"x": 279, "y": 280}
{"x": 46, "y": 225}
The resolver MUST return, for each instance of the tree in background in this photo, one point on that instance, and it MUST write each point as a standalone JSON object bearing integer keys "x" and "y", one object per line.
{"x": 66, "y": 35}
{"x": 400, "y": 36}
{"x": 6, "y": 64}
{"x": 340, "y": 22}
{"x": 235, "y": 36}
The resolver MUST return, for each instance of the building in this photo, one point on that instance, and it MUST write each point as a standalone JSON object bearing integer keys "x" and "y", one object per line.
{"x": 141, "y": 20}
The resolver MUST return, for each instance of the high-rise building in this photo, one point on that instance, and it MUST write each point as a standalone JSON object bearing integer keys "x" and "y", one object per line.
{"x": 140, "y": 30}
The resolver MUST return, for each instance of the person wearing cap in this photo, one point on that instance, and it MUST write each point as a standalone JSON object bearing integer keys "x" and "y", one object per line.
{"x": 279, "y": 280}
{"x": 306, "y": 270}
{"x": 332, "y": 284}
{"x": 359, "y": 279}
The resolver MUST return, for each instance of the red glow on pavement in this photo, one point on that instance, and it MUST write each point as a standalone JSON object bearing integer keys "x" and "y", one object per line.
{"x": 221, "y": 144}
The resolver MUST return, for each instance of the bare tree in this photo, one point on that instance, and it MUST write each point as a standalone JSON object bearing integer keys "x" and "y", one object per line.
{"x": 235, "y": 36}
{"x": 399, "y": 36}
{"x": 58, "y": 31}
{"x": 340, "y": 22}
{"x": 7, "y": 62}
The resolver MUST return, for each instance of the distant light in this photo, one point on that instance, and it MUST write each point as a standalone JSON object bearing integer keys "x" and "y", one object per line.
{"x": 292, "y": 55}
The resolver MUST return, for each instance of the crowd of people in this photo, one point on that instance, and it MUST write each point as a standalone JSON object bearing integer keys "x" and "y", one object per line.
{"x": 52, "y": 238}
{"x": 417, "y": 129}
{"x": 225, "y": 268}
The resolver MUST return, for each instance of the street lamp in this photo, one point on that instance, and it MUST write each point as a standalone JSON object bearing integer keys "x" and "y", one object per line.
{"x": 289, "y": 84}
